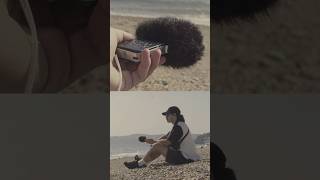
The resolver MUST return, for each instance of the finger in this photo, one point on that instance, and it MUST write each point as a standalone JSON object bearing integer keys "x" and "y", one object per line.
{"x": 144, "y": 65}
{"x": 155, "y": 60}
{"x": 123, "y": 36}
{"x": 127, "y": 36}
{"x": 127, "y": 81}
{"x": 131, "y": 66}
{"x": 162, "y": 60}
{"x": 115, "y": 80}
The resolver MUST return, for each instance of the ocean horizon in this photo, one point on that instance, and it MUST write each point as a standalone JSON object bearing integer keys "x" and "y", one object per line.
{"x": 196, "y": 11}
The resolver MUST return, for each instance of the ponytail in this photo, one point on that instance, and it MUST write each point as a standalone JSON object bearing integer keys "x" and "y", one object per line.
{"x": 180, "y": 118}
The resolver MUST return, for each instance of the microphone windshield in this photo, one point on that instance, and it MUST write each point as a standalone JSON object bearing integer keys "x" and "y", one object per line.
{"x": 183, "y": 38}
{"x": 142, "y": 138}
{"x": 228, "y": 10}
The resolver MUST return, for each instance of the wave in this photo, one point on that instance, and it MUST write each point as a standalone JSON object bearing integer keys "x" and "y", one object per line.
{"x": 141, "y": 153}
{"x": 199, "y": 20}
{"x": 124, "y": 155}
{"x": 197, "y": 11}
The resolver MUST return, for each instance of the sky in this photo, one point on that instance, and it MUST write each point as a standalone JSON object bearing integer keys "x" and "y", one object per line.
{"x": 140, "y": 112}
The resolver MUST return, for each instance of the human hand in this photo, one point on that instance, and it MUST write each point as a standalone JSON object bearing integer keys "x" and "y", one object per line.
{"x": 132, "y": 74}
{"x": 116, "y": 36}
{"x": 72, "y": 43}
{"x": 150, "y": 141}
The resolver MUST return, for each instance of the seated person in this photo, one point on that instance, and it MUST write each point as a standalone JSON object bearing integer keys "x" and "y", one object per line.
{"x": 177, "y": 146}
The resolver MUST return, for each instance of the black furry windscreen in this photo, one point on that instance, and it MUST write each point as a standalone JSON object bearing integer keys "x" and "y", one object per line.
{"x": 184, "y": 39}
{"x": 220, "y": 170}
{"x": 228, "y": 10}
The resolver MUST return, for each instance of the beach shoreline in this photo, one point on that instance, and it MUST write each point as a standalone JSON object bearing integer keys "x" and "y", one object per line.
{"x": 198, "y": 21}
{"x": 195, "y": 11}
{"x": 158, "y": 169}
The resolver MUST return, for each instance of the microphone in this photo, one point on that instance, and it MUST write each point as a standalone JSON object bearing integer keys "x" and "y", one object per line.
{"x": 228, "y": 10}
{"x": 183, "y": 38}
{"x": 142, "y": 138}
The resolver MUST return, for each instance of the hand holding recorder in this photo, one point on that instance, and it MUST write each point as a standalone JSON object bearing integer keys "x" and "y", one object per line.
{"x": 146, "y": 140}
{"x": 132, "y": 73}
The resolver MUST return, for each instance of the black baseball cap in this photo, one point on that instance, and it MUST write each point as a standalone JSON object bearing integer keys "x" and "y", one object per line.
{"x": 171, "y": 110}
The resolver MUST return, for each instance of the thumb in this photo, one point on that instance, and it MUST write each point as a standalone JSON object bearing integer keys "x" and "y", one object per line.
{"x": 123, "y": 36}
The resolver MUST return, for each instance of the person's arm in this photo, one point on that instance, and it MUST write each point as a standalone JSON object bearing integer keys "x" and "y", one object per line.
{"x": 175, "y": 135}
{"x": 152, "y": 141}
{"x": 164, "y": 136}
{"x": 160, "y": 141}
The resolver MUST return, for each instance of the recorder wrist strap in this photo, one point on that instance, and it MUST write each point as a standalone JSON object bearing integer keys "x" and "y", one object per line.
{"x": 120, "y": 72}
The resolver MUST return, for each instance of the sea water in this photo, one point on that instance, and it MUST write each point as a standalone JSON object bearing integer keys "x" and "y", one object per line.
{"x": 197, "y": 11}
{"x": 129, "y": 146}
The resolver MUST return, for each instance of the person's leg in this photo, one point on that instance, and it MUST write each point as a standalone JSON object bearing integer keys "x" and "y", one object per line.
{"x": 176, "y": 157}
{"x": 156, "y": 150}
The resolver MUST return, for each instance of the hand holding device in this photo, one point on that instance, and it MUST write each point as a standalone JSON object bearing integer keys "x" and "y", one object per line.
{"x": 124, "y": 74}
